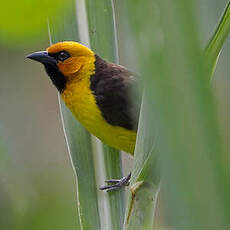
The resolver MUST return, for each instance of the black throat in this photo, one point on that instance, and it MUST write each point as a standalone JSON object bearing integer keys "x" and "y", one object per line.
{"x": 57, "y": 78}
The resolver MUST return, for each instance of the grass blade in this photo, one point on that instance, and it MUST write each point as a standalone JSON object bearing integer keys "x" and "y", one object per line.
{"x": 78, "y": 139}
{"x": 103, "y": 40}
{"x": 218, "y": 38}
{"x": 145, "y": 178}
{"x": 188, "y": 141}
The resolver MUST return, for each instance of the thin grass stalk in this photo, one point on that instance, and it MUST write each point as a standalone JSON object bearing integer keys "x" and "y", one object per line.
{"x": 215, "y": 44}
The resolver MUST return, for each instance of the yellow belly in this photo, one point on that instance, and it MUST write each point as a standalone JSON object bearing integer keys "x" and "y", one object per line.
{"x": 82, "y": 104}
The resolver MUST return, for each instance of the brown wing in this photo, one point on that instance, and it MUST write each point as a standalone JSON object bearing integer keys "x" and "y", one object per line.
{"x": 114, "y": 88}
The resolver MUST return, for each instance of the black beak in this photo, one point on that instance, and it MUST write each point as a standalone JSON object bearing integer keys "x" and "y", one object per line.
{"x": 43, "y": 57}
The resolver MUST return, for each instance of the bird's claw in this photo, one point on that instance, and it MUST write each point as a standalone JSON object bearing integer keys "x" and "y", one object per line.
{"x": 116, "y": 184}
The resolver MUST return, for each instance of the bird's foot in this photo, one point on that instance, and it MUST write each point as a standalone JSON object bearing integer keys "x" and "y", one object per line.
{"x": 117, "y": 183}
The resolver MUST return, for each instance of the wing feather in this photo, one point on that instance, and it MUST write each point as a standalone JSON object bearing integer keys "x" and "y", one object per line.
{"x": 115, "y": 91}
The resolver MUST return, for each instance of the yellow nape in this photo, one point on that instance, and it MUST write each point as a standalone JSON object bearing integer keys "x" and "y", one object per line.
{"x": 80, "y": 100}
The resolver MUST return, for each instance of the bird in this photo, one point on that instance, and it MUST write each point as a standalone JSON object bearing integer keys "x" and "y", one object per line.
{"x": 101, "y": 95}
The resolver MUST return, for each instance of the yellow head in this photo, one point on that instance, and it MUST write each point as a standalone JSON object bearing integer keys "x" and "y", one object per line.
{"x": 64, "y": 61}
{"x": 75, "y": 56}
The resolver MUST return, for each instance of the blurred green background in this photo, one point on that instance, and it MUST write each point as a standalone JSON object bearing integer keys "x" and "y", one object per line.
{"x": 37, "y": 185}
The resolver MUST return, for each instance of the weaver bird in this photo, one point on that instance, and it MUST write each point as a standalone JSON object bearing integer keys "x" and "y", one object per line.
{"x": 98, "y": 93}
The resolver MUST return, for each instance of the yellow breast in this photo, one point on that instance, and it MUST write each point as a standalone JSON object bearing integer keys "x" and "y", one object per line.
{"x": 80, "y": 100}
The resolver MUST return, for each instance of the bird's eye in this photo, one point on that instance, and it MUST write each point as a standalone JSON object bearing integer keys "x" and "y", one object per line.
{"x": 63, "y": 55}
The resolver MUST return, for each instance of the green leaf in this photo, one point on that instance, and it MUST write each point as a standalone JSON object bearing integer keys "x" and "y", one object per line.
{"x": 78, "y": 139}
{"x": 145, "y": 177}
{"x": 217, "y": 40}
{"x": 103, "y": 41}
{"x": 187, "y": 139}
